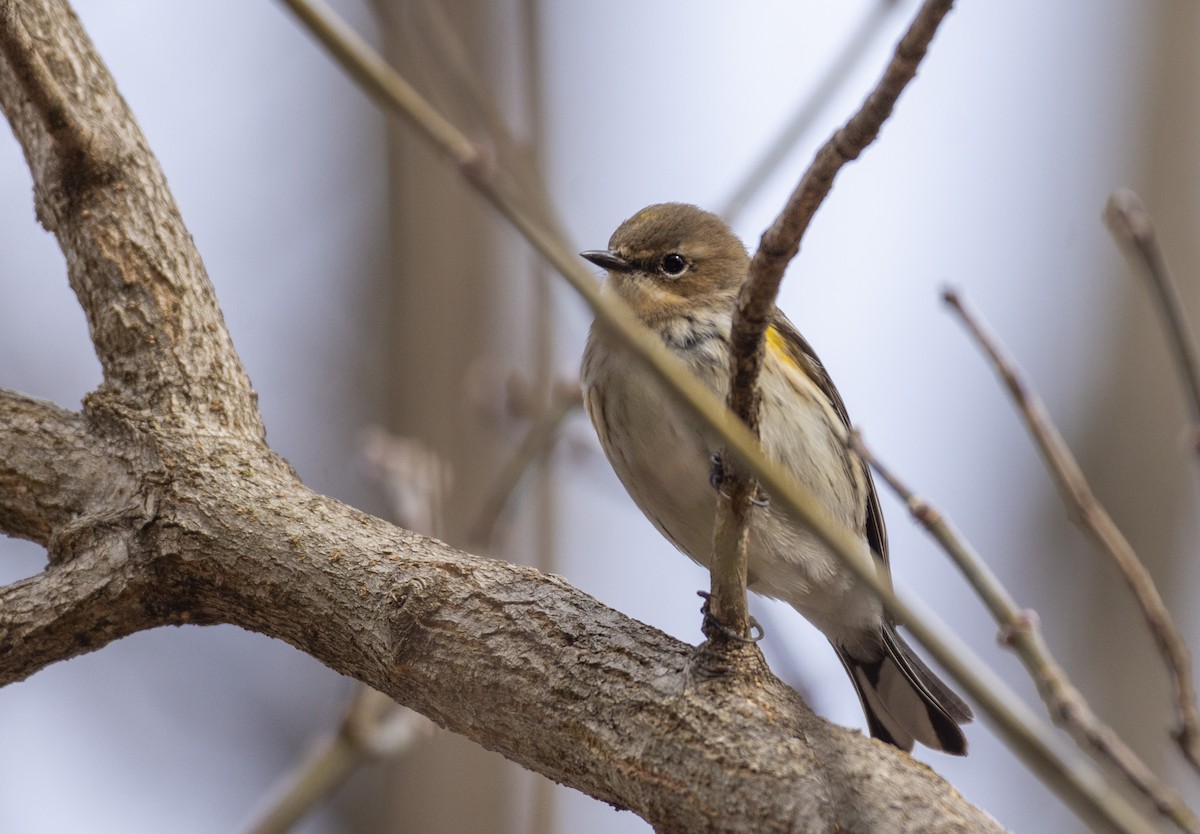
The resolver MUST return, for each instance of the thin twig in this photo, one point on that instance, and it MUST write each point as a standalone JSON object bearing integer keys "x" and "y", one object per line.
{"x": 537, "y": 443}
{"x": 415, "y": 479}
{"x": 781, "y": 242}
{"x": 512, "y": 155}
{"x": 816, "y": 98}
{"x": 1133, "y": 229}
{"x": 1090, "y": 515}
{"x": 756, "y": 300}
{"x": 1020, "y": 631}
{"x": 1077, "y": 783}
{"x": 730, "y": 571}
{"x": 374, "y": 728}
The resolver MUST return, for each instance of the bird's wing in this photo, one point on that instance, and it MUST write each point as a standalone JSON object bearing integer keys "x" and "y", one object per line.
{"x": 802, "y": 354}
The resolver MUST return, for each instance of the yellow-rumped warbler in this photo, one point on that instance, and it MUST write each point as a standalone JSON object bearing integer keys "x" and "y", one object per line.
{"x": 679, "y": 268}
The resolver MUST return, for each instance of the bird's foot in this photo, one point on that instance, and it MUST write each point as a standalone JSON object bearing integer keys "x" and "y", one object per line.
{"x": 717, "y": 476}
{"x": 711, "y": 623}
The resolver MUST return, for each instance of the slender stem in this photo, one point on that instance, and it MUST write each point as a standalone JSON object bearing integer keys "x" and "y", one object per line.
{"x": 1020, "y": 631}
{"x": 536, "y": 444}
{"x": 1094, "y": 520}
{"x": 816, "y": 98}
{"x": 1077, "y": 783}
{"x": 730, "y": 571}
{"x": 781, "y": 242}
{"x": 374, "y": 727}
{"x": 756, "y": 301}
{"x": 1133, "y": 229}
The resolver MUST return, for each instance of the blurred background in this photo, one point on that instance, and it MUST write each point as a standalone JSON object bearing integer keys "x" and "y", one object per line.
{"x": 366, "y": 286}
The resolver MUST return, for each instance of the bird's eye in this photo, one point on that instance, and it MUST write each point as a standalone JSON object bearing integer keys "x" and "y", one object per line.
{"x": 674, "y": 264}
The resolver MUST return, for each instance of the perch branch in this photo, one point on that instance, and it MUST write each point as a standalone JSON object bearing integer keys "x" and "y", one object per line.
{"x": 1090, "y": 515}
{"x": 756, "y": 300}
{"x": 230, "y": 535}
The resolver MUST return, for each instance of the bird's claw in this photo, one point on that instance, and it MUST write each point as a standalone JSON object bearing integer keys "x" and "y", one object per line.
{"x": 712, "y": 623}
{"x": 716, "y": 479}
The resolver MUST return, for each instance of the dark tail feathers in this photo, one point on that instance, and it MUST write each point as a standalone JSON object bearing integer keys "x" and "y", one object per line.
{"x": 905, "y": 701}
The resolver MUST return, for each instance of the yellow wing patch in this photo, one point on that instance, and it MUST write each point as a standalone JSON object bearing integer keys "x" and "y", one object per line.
{"x": 777, "y": 344}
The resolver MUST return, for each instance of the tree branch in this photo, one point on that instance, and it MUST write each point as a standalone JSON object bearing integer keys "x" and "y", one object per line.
{"x": 374, "y": 728}
{"x": 76, "y": 607}
{"x": 635, "y": 720}
{"x": 150, "y": 307}
{"x": 1089, "y": 514}
{"x": 539, "y": 440}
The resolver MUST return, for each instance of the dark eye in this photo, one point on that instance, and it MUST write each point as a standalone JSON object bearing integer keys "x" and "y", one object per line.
{"x": 674, "y": 264}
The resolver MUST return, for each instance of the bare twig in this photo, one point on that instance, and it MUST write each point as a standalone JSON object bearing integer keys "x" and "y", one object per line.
{"x": 1091, "y": 516}
{"x": 415, "y": 479}
{"x": 816, "y": 97}
{"x": 374, "y": 728}
{"x": 1133, "y": 229}
{"x": 756, "y": 300}
{"x": 1019, "y": 630}
{"x": 514, "y": 156}
{"x": 1079, "y": 785}
{"x": 781, "y": 241}
{"x": 538, "y": 442}
{"x": 729, "y": 575}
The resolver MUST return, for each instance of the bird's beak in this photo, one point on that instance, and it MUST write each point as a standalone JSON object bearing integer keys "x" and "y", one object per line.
{"x": 606, "y": 259}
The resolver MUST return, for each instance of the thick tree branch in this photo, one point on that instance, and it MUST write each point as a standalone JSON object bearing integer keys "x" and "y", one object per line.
{"x": 220, "y": 530}
{"x": 636, "y": 719}
{"x": 150, "y": 307}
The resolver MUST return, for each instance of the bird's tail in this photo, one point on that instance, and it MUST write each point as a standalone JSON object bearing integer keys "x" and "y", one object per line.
{"x": 905, "y": 701}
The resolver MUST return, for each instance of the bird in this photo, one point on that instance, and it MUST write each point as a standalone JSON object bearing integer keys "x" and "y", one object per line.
{"x": 679, "y": 269}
